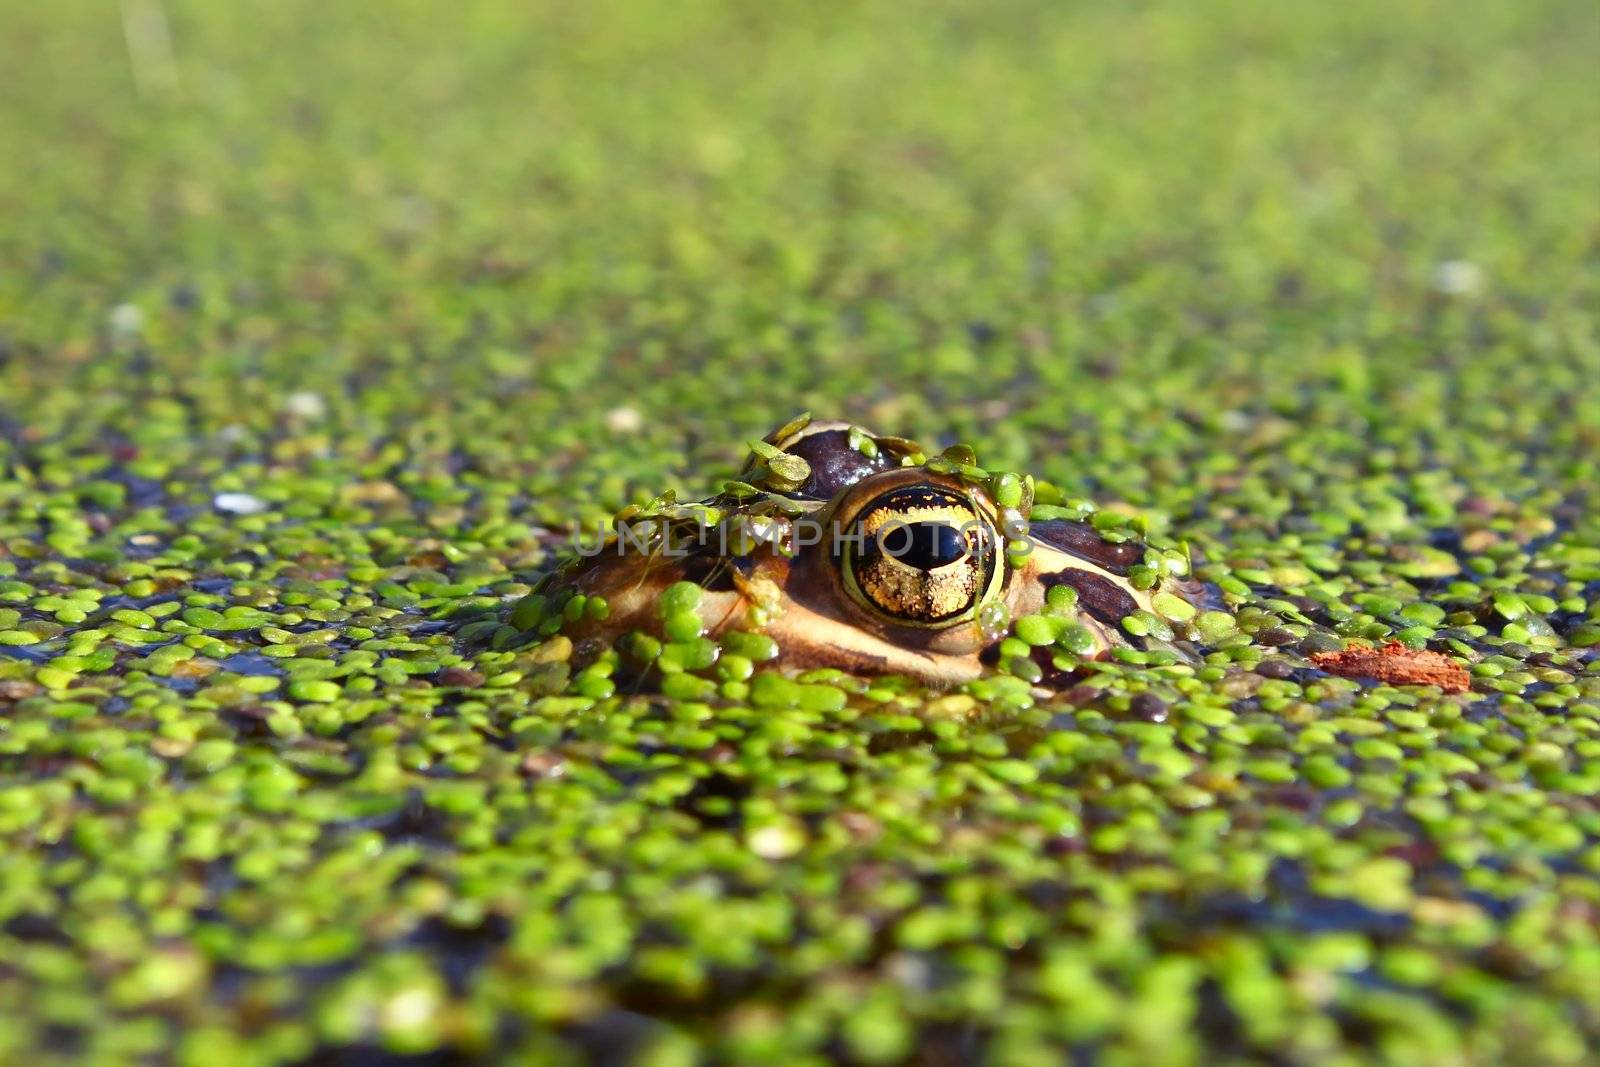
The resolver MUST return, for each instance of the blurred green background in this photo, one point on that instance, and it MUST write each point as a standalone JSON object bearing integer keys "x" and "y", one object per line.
{"x": 1312, "y": 287}
{"x": 495, "y": 223}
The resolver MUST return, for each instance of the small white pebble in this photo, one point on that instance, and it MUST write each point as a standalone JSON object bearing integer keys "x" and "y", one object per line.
{"x": 910, "y": 971}
{"x": 777, "y": 841}
{"x": 239, "y": 503}
{"x": 407, "y": 1009}
{"x": 1457, "y": 277}
{"x": 1235, "y": 421}
{"x": 305, "y": 405}
{"x": 624, "y": 420}
{"x": 125, "y": 320}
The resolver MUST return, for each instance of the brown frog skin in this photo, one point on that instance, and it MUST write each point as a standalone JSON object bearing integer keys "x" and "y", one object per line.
{"x": 922, "y": 590}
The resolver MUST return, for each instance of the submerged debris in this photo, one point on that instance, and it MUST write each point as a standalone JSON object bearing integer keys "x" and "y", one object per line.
{"x": 1396, "y": 664}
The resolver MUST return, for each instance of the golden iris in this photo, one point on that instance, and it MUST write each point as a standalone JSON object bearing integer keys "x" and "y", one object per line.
{"x": 922, "y": 554}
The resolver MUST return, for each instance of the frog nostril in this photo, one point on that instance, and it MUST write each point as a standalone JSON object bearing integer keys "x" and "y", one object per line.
{"x": 923, "y": 545}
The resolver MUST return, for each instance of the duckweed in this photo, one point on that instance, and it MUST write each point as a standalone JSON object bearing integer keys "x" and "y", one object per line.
{"x": 319, "y": 346}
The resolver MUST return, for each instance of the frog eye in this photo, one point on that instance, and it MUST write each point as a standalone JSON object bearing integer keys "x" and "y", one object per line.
{"x": 920, "y": 554}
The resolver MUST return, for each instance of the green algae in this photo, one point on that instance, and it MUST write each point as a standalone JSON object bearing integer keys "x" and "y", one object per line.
{"x": 315, "y": 356}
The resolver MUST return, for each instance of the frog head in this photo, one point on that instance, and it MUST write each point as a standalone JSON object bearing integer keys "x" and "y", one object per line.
{"x": 860, "y": 552}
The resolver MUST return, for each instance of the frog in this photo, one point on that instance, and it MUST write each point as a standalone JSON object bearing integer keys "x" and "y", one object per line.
{"x": 861, "y": 552}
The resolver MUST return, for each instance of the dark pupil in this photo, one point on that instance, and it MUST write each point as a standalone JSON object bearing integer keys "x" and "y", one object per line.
{"x": 923, "y": 545}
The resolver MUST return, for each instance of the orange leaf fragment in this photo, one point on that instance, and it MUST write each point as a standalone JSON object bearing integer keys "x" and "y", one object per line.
{"x": 1396, "y": 664}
